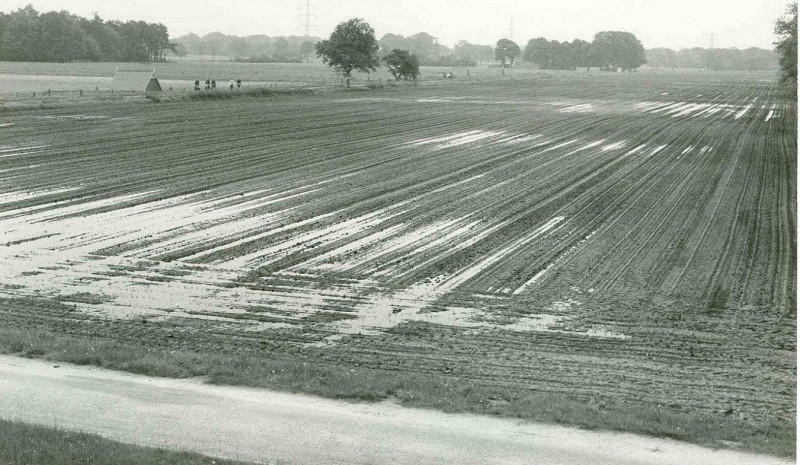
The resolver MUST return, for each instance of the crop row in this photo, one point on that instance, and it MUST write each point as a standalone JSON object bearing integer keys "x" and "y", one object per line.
{"x": 636, "y": 230}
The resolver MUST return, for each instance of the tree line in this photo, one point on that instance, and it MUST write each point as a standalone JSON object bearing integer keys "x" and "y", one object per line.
{"x": 27, "y": 35}
{"x": 610, "y": 50}
{"x": 719, "y": 59}
{"x": 431, "y": 53}
{"x": 253, "y": 48}
{"x": 262, "y": 48}
{"x": 619, "y": 49}
{"x": 786, "y": 46}
{"x": 352, "y": 47}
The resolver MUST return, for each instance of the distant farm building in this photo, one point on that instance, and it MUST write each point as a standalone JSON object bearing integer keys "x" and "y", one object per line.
{"x": 135, "y": 81}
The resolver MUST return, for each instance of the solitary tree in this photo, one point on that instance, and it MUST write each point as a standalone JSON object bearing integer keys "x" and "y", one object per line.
{"x": 351, "y": 46}
{"x": 506, "y": 50}
{"x": 786, "y": 29}
{"x": 402, "y": 64}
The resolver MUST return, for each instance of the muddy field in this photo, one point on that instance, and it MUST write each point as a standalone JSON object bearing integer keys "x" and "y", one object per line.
{"x": 626, "y": 238}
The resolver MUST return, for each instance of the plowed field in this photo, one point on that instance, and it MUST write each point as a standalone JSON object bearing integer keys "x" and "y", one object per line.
{"x": 626, "y": 237}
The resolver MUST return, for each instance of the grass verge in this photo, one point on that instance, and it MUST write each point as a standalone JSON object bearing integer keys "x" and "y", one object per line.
{"x": 24, "y": 444}
{"x": 446, "y": 393}
{"x": 166, "y": 97}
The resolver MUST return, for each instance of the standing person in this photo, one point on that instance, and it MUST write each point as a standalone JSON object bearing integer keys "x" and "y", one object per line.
{"x": 208, "y": 83}
{"x": 213, "y": 84}
{"x": 238, "y": 84}
{"x": 230, "y": 83}
{"x": 196, "y": 85}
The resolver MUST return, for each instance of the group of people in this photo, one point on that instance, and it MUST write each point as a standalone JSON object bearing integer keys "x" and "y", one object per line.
{"x": 212, "y": 84}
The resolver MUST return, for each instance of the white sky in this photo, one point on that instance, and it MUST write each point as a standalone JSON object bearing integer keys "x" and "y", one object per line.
{"x": 672, "y": 23}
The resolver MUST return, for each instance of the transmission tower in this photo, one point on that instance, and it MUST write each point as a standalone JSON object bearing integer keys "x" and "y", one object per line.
{"x": 511, "y": 28}
{"x": 712, "y": 39}
{"x": 307, "y": 18}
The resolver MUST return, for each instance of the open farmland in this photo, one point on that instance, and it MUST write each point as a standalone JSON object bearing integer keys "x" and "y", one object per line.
{"x": 20, "y": 79}
{"x": 610, "y": 238}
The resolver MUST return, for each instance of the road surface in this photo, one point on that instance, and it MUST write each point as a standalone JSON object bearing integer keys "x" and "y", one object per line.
{"x": 265, "y": 426}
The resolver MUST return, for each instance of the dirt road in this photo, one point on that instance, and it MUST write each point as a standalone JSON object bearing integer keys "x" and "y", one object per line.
{"x": 265, "y": 426}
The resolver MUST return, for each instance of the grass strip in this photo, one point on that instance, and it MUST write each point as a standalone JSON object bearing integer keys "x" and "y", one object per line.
{"x": 445, "y": 393}
{"x": 25, "y": 444}
{"x": 166, "y": 97}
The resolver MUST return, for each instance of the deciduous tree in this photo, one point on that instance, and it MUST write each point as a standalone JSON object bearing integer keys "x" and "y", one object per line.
{"x": 538, "y": 51}
{"x": 350, "y": 47}
{"x": 61, "y": 36}
{"x": 402, "y": 64}
{"x": 506, "y": 50}
{"x": 21, "y": 36}
{"x": 786, "y": 46}
{"x": 618, "y": 49}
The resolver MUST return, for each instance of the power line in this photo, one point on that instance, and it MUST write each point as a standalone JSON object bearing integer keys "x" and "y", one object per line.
{"x": 306, "y": 18}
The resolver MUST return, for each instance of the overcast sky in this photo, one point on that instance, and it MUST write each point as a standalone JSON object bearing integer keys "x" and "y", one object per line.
{"x": 674, "y": 23}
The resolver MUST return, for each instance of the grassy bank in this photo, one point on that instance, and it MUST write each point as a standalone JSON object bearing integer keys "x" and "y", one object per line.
{"x": 304, "y": 375}
{"x": 23, "y": 444}
{"x": 11, "y": 104}
{"x": 223, "y": 94}
{"x": 69, "y": 99}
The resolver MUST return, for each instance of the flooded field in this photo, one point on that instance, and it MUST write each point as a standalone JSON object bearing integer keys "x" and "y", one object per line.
{"x": 629, "y": 238}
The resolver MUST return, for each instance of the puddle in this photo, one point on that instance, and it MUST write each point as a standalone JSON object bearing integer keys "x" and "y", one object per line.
{"x": 53, "y": 252}
{"x": 455, "y": 140}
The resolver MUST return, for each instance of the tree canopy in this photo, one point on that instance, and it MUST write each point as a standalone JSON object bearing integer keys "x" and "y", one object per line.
{"x": 612, "y": 50}
{"x": 618, "y": 49}
{"x": 558, "y": 55}
{"x": 723, "y": 59}
{"x": 262, "y": 48}
{"x": 786, "y": 46}
{"x": 426, "y": 47}
{"x": 306, "y": 49}
{"x": 253, "y": 48}
{"x": 506, "y": 50}
{"x": 351, "y": 46}
{"x": 27, "y": 35}
{"x": 472, "y": 53}
{"x": 402, "y": 64}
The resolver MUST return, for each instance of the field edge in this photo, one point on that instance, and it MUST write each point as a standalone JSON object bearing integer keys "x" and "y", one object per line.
{"x": 24, "y": 443}
{"x": 358, "y": 384}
